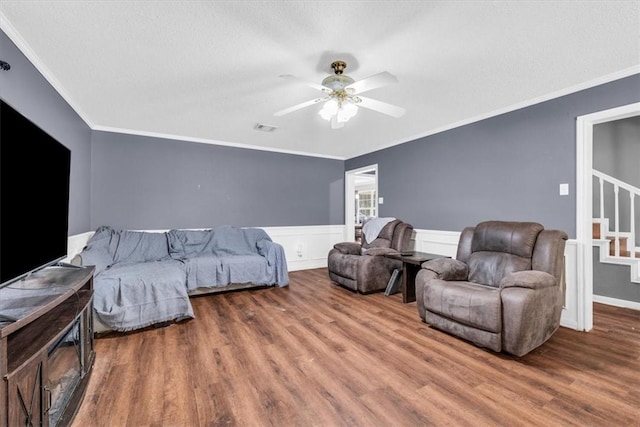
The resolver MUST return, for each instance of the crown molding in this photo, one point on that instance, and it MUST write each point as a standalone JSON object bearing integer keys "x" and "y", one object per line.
{"x": 210, "y": 141}
{"x": 533, "y": 101}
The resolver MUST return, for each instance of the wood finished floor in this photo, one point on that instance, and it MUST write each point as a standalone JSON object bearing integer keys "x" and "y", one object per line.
{"x": 315, "y": 354}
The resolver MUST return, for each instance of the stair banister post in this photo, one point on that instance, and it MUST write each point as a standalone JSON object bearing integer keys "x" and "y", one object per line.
{"x": 616, "y": 191}
{"x": 601, "y": 199}
{"x": 632, "y": 226}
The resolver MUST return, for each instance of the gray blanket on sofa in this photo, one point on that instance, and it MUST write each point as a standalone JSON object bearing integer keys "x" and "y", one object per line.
{"x": 224, "y": 255}
{"x": 134, "y": 296}
{"x": 143, "y": 278}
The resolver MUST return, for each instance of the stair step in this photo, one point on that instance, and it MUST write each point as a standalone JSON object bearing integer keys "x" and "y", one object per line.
{"x": 626, "y": 254}
{"x": 623, "y": 246}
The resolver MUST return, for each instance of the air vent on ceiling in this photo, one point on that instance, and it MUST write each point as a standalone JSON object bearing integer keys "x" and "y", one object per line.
{"x": 264, "y": 128}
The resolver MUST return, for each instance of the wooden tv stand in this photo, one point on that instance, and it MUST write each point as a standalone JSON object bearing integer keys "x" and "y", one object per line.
{"x": 46, "y": 346}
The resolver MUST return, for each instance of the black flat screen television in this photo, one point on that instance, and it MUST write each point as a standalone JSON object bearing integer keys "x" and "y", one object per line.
{"x": 34, "y": 196}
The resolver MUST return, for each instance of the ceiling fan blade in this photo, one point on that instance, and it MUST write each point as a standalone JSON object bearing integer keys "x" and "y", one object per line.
{"x": 299, "y": 106}
{"x": 373, "y": 82}
{"x": 381, "y": 107}
{"x": 306, "y": 83}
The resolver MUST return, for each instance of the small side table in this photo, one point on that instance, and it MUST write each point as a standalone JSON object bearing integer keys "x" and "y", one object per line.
{"x": 410, "y": 266}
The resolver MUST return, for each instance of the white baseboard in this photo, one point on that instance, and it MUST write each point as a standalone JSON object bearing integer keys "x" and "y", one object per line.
{"x": 616, "y": 302}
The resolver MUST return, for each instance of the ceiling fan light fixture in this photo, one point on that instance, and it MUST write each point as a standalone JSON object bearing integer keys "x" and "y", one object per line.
{"x": 329, "y": 109}
{"x": 342, "y": 96}
{"x": 341, "y": 111}
{"x": 346, "y": 112}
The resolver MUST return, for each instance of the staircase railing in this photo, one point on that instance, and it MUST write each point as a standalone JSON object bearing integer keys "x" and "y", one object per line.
{"x": 632, "y": 191}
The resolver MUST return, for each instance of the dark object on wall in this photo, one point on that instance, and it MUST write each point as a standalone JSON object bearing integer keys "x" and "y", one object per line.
{"x": 34, "y": 196}
{"x": 5, "y": 66}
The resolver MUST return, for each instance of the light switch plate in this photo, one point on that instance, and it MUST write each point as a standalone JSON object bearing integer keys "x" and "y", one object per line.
{"x": 564, "y": 189}
{"x": 380, "y": 200}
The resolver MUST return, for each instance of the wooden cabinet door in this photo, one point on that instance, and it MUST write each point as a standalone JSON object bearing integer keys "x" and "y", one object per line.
{"x": 87, "y": 334}
{"x": 25, "y": 395}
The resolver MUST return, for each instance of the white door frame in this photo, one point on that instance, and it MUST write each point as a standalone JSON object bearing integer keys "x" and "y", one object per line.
{"x": 584, "y": 207}
{"x": 350, "y": 199}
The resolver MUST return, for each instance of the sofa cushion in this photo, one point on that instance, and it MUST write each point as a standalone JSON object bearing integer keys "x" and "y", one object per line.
{"x": 384, "y": 236}
{"x": 500, "y": 248}
{"x": 243, "y": 269}
{"x": 140, "y": 246}
{"x": 229, "y": 240}
{"x": 185, "y": 243}
{"x": 132, "y": 296}
{"x": 468, "y": 303}
{"x": 203, "y": 271}
{"x": 517, "y": 238}
{"x": 100, "y": 249}
{"x": 489, "y": 268}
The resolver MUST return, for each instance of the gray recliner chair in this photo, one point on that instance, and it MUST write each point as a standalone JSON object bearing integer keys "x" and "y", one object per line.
{"x": 362, "y": 267}
{"x": 503, "y": 291}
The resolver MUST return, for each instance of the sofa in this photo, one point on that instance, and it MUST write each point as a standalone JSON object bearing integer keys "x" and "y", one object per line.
{"x": 504, "y": 290}
{"x": 363, "y": 267}
{"x": 146, "y": 278}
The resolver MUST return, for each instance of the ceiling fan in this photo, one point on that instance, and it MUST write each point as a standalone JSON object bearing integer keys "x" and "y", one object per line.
{"x": 342, "y": 96}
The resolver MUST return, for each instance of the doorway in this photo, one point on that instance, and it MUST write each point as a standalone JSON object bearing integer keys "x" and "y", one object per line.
{"x": 583, "y": 292}
{"x": 361, "y": 199}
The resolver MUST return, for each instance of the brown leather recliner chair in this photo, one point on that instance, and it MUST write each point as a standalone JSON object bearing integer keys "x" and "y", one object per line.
{"x": 362, "y": 267}
{"x": 503, "y": 291}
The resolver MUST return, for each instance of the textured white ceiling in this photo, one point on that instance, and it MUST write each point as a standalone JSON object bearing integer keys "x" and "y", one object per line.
{"x": 209, "y": 71}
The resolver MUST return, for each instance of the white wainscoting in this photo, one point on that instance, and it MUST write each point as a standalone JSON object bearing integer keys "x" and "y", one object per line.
{"x": 305, "y": 247}
{"x": 76, "y": 243}
{"x": 570, "y": 310}
{"x": 436, "y": 242}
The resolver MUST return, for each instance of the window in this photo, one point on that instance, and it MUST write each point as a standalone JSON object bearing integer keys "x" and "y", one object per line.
{"x": 366, "y": 205}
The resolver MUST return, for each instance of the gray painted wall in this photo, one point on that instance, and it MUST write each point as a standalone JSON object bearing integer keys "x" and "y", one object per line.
{"x": 616, "y": 149}
{"x": 141, "y": 182}
{"x": 616, "y": 152}
{"x": 506, "y": 167}
{"x": 611, "y": 280}
{"x": 26, "y": 90}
